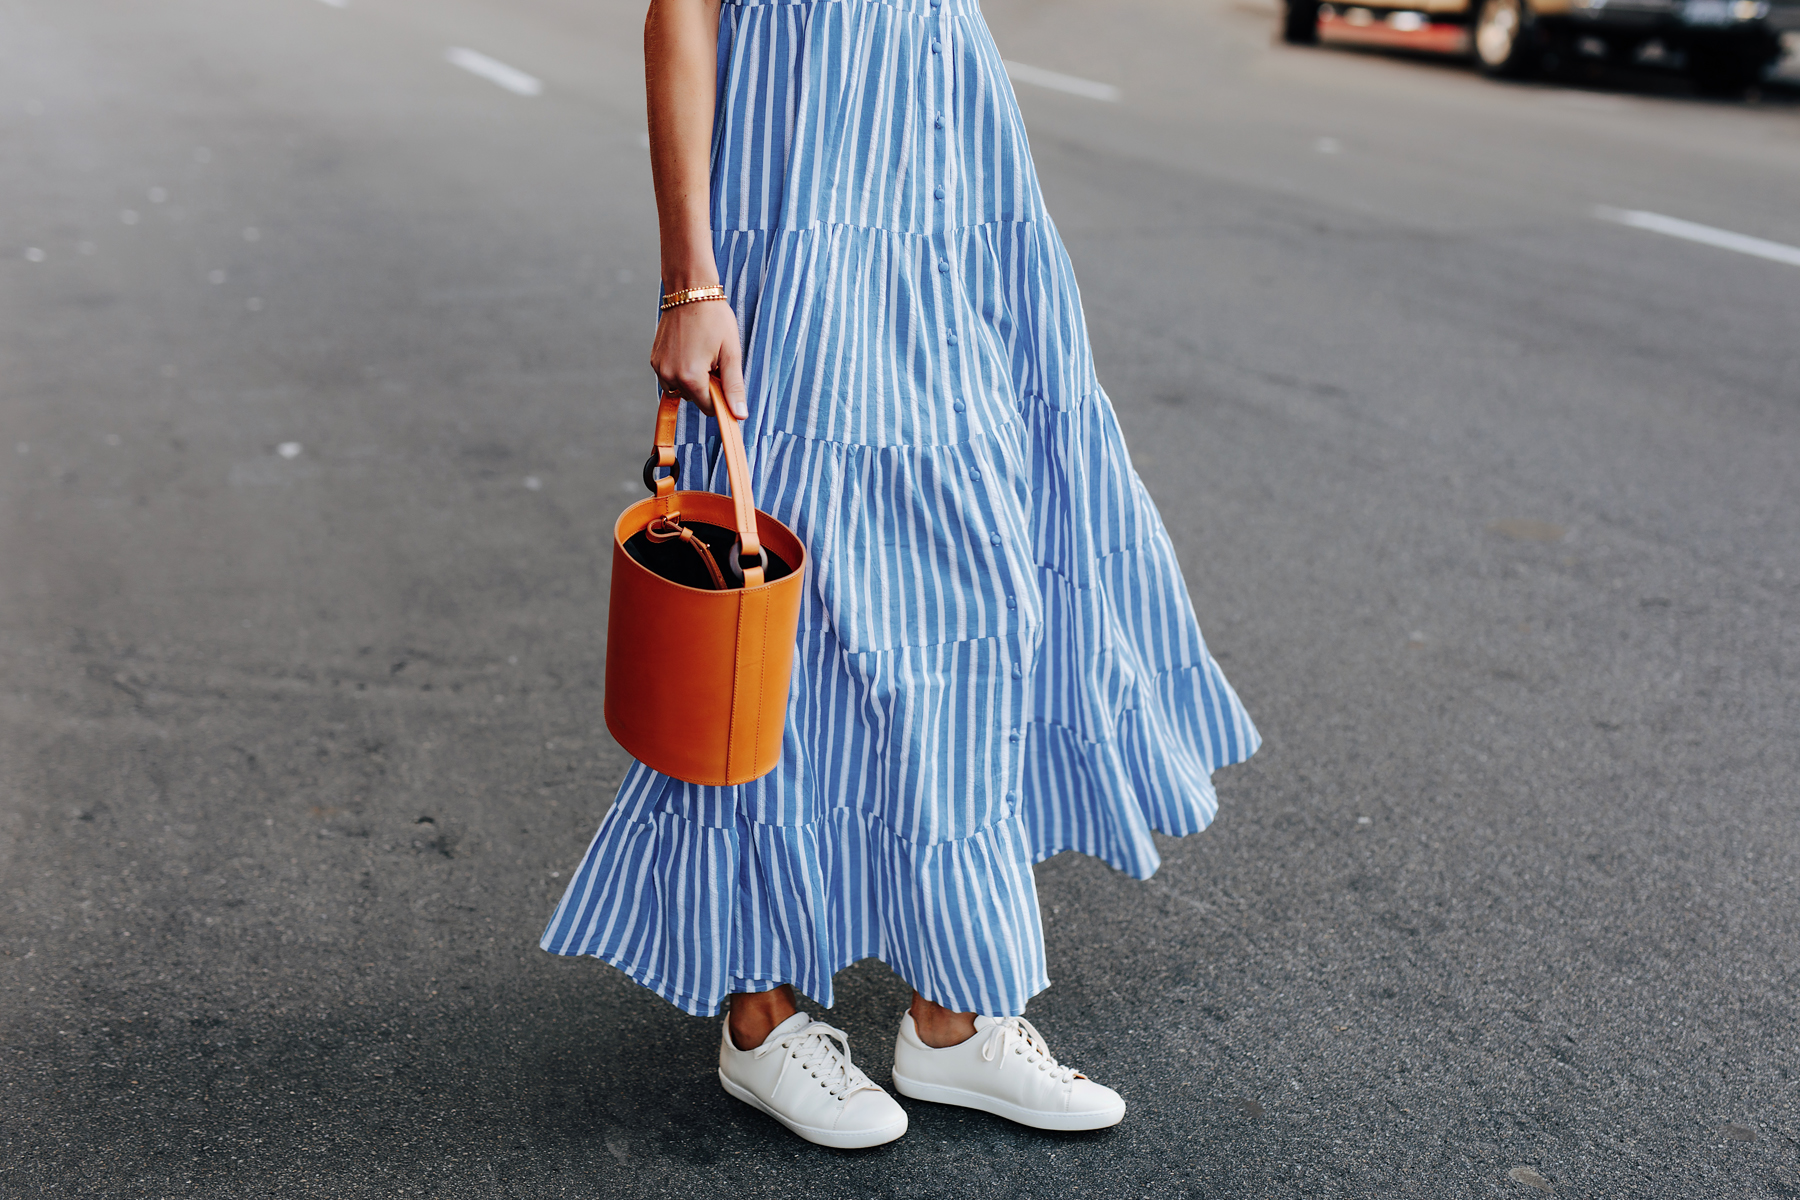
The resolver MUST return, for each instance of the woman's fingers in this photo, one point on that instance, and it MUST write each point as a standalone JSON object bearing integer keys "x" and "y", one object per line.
{"x": 731, "y": 379}
{"x": 696, "y": 391}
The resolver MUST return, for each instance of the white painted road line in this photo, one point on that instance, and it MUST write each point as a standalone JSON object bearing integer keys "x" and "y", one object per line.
{"x": 1057, "y": 81}
{"x": 1706, "y": 235}
{"x": 494, "y": 71}
{"x": 336, "y": 3}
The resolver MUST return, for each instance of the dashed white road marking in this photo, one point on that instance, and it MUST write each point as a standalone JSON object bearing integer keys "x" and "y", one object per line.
{"x": 494, "y": 71}
{"x": 336, "y": 3}
{"x": 1706, "y": 235}
{"x": 1058, "y": 82}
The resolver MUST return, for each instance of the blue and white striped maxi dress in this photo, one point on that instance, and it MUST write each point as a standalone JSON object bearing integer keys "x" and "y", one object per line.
{"x": 997, "y": 656}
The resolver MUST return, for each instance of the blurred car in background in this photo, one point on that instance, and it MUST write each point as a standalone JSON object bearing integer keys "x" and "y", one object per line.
{"x": 1725, "y": 46}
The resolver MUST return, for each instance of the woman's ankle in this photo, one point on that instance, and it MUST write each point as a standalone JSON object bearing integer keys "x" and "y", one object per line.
{"x": 938, "y": 1027}
{"x": 754, "y": 1015}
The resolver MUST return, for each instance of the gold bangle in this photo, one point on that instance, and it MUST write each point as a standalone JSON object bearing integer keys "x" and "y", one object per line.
{"x": 675, "y": 299}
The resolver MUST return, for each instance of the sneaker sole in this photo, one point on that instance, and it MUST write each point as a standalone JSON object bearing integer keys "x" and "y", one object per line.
{"x": 1061, "y": 1122}
{"x": 836, "y": 1139}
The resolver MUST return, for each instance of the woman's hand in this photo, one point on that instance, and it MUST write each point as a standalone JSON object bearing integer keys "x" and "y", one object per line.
{"x": 695, "y": 343}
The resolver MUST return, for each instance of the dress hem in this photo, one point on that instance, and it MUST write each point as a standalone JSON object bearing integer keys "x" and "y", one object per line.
{"x": 695, "y": 1006}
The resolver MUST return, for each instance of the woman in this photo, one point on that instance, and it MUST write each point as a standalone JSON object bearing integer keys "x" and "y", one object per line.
{"x": 997, "y": 657}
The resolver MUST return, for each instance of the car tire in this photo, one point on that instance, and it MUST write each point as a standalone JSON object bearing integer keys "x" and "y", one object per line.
{"x": 1725, "y": 70}
{"x": 1300, "y": 22}
{"x": 1506, "y": 39}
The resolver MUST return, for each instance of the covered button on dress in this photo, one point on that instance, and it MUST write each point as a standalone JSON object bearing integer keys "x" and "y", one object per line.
{"x": 997, "y": 656}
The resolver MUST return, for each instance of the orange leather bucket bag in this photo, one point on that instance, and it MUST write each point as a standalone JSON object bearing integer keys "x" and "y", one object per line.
{"x": 698, "y": 655}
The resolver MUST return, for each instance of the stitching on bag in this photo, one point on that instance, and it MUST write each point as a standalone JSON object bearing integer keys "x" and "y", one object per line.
{"x": 737, "y": 665}
{"x": 763, "y": 667}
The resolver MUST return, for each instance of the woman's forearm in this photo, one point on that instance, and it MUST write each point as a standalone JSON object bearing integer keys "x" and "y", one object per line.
{"x": 697, "y": 343}
{"x": 680, "y": 72}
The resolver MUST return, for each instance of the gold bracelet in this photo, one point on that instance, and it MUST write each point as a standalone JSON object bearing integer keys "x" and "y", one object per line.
{"x": 674, "y": 299}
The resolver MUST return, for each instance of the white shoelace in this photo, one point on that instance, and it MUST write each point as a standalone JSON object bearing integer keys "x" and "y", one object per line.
{"x": 1022, "y": 1038}
{"x": 819, "y": 1056}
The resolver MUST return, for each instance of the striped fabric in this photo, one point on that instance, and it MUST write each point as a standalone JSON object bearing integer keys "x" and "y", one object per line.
{"x": 997, "y": 659}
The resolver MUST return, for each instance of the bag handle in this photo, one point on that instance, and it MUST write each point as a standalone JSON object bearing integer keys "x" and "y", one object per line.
{"x": 751, "y": 559}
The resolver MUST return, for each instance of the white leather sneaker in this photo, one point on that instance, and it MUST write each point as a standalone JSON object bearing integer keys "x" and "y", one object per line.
{"x": 1007, "y": 1070}
{"x": 801, "y": 1077}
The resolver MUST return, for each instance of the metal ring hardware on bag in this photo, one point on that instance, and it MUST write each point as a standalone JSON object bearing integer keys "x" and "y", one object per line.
{"x": 735, "y": 565}
{"x": 697, "y": 672}
{"x": 650, "y": 465}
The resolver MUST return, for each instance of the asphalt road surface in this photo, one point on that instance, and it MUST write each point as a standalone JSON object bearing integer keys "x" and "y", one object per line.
{"x": 322, "y": 377}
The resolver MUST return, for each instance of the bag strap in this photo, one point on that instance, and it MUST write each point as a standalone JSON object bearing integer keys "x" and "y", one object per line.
{"x": 751, "y": 559}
